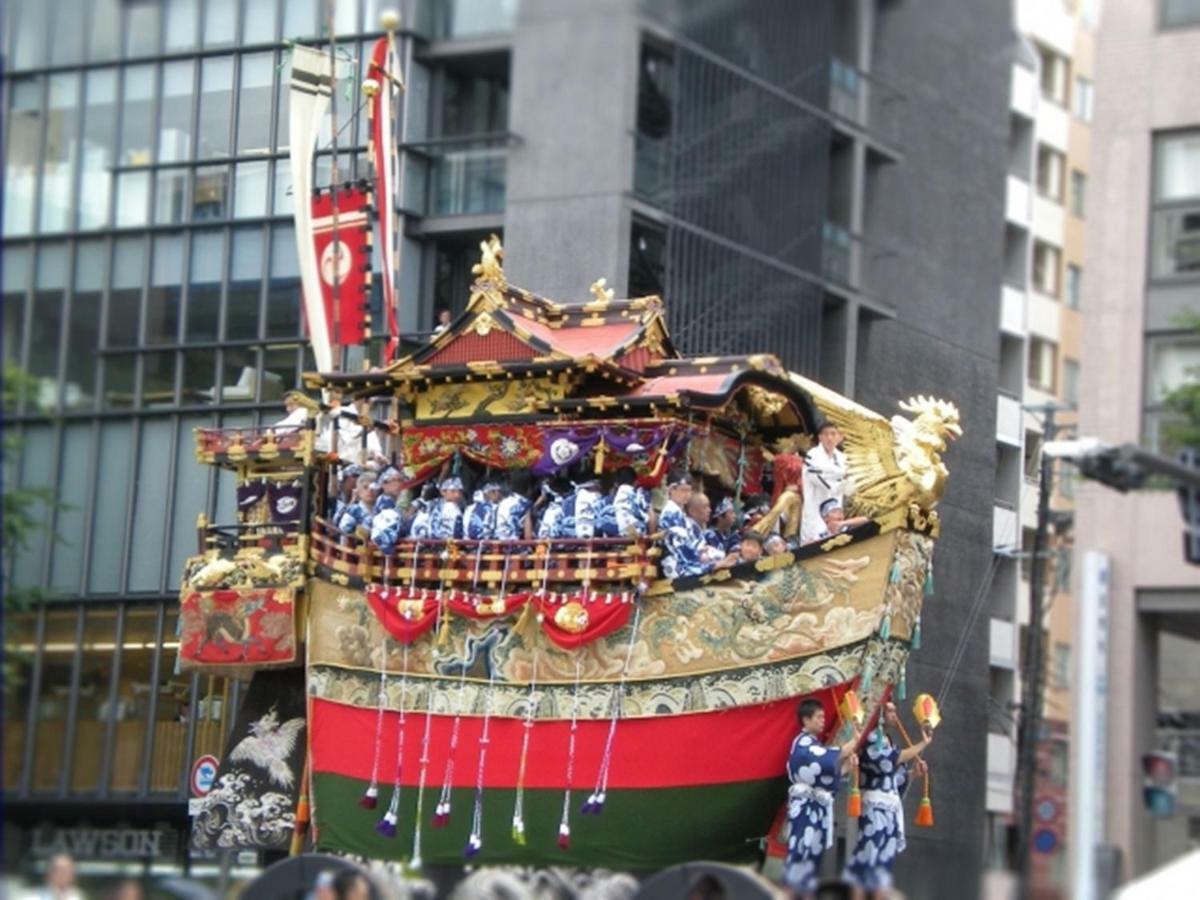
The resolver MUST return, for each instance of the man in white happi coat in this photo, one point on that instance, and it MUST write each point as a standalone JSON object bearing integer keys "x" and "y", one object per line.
{"x": 824, "y": 479}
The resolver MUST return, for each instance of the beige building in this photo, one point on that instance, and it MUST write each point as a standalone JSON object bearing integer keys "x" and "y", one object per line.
{"x": 1141, "y": 272}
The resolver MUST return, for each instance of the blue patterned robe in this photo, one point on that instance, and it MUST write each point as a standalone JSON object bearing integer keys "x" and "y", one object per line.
{"x": 386, "y": 529}
{"x": 553, "y": 520}
{"x": 730, "y": 543}
{"x": 480, "y": 520}
{"x": 445, "y": 521}
{"x": 384, "y": 501}
{"x": 355, "y": 515}
{"x": 584, "y": 513}
{"x": 606, "y": 518}
{"x": 631, "y": 506}
{"x": 814, "y": 772}
{"x": 510, "y": 517}
{"x": 883, "y": 781}
{"x": 687, "y": 553}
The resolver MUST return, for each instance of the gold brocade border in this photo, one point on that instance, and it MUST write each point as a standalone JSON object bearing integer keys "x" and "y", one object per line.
{"x": 656, "y": 697}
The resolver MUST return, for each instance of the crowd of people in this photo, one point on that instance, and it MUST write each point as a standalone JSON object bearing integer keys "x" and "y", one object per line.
{"x": 698, "y": 535}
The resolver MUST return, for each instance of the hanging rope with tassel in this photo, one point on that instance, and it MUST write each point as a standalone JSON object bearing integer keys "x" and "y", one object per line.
{"x": 595, "y": 802}
{"x": 370, "y": 797}
{"x": 441, "y": 813}
{"x": 387, "y": 825}
{"x": 415, "y": 861}
{"x": 475, "y": 841}
{"x": 518, "y": 819}
{"x": 564, "y": 824}
{"x": 925, "y": 810}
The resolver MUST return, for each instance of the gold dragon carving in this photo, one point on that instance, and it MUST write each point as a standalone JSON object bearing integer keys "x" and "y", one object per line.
{"x": 489, "y": 268}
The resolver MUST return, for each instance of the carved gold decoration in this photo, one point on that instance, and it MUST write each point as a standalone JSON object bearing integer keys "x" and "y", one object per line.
{"x": 836, "y": 541}
{"x": 488, "y": 268}
{"x": 603, "y": 294}
{"x": 484, "y": 323}
{"x": 891, "y": 464}
{"x": 492, "y": 398}
{"x": 411, "y": 609}
{"x": 572, "y": 618}
{"x": 766, "y": 403}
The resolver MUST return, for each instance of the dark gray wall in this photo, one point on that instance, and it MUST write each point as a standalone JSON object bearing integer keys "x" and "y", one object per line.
{"x": 942, "y": 209}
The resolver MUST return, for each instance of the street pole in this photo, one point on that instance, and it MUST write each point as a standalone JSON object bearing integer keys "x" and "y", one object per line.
{"x": 1031, "y": 687}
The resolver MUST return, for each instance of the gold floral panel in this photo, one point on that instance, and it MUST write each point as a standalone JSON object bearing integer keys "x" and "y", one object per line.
{"x": 486, "y": 399}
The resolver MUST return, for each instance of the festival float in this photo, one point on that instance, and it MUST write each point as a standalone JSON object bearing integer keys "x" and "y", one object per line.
{"x": 544, "y": 702}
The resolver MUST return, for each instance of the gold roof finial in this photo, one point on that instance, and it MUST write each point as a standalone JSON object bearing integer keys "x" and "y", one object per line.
{"x": 601, "y": 291}
{"x": 488, "y": 268}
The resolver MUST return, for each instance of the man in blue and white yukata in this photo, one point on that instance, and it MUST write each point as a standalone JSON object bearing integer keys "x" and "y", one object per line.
{"x": 445, "y": 516}
{"x": 582, "y": 508}
{"x": 631, "y": 505}
{"x": 513, "y": 519}
{"x": 814, "y": 770}
{"x": 553, "y": 520}
{"x": 722, "y": 531}
{"x": 688, "y": 552}
{"x": 481, "y": 516}
{"x": 883, "y": 779}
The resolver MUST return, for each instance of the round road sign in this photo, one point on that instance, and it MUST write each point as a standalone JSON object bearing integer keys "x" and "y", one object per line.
{"x": 204, "y": 773}
{"x": 1045, "y": 840}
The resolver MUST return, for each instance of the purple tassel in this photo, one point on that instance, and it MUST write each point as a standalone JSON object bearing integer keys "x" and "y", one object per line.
{"x": 387, "y": 825}
{"x": 474, "y": 845}
{"x": 369, "y": 799}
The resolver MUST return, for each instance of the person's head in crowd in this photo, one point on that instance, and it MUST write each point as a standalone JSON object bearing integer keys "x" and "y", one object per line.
{"x": 833, "y": 514}
{"x": 323, "y": 886}
{"x": 350, "y": 884}
{"x": 775, "y": 544}
{"x": 752, "y": 546}
{"x": 452, "y": 489}
{"x": 724, "y": 516}
{"x": 680, "y": 488}
{"x": 522, "y": 482}
{"x": 430, "y": 492}
{"x": 811, "y": 713}
{"x": 699, "y": 509}
{"x": 368, "y": 491}
{"x": 390, "y": 482}
{"x": 350, "y": 476}
{"x": 559, "y": 486}
{"x": 129, "y": 889}
{"x": 588, "y": 482}
{"x": 443, "y": 318}
{"x": 493, "y": 490}
{"x": 60, "y": 874}
{"x": 828, "y": 436}
{"x": 625, "y": 475}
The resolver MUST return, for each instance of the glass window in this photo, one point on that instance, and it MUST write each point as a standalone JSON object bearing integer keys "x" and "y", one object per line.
{"x": 282, "y": 203}
{"x": 191, "y": 490}
{"x": 472, "y": 18}
{"x": 45, "y": 326}
{"x": 1180, "y": 13}
{"x": 23, "y": 157}
{"x": 198, "y": 378}
{"x": 59, "y": 155}
{"x": 204, "y": 293}
{"x": 154, "y": 462}
{"x": 279, "y": 371}
{"x": 1055, "y": 76}
{"x": 58, "y": 656}
{"x": 1078, "y": 192}
{"x": 1070, "y": 381}
{"x": 211, "y": 193}
{"x": 99, "y": 144}
{"x": 1047, "y": 260}
{"x": 220, "y": 22}
{"x": 141, "y": 27}
{"x": 120, "y": 378}
{"x": 1043, "y": 364}
{"x": 20, "y": 634}
{"x": 105, "y": 30}
{"x": 281, "y": 118}
{"x": 37, "y": 452}
{"x": 15, "y": 273}
{"x": 1177, "y": 166}
{"x": 254, "y": 103}
{"x": 1050, "y": 167}
{"x": 283, "y": 292}
{"x": 158, "y": 379}
{"x": 170, "y": 196}
{"x": 1074, "y": 279}
{"x": 250, "y": 189}
{"x": 239, "y": 374}
{"x": 83, "y": 329}
{"x": 73, "y": 485}
{"x": 137, "y": 116}
{"x": 1082, "y": 99}
{"x": 181, "y": 24}
{"x": 1171, "y": 361}
{"x": 299, "y": 20}
{"x": 647, "y": 260}
{"x": 258, "y": 22}
{"x": 133, "y": 197}
{"x": 58, "y": 159}
{"x": 162, "y": 303}
{"x": 109, "y": 511}
{"x": 245, "y": 284}
{"x": 95, "y": 678}
{"x": 69, "y": 33}
{"x": 29, "y": 45}
{"x": 175, "y": 129}
{"x": 1176, "y": 216}
{"x": 124, "y": 300}
{"x": 345, "y": 19}
{"x": 216, "y": 95}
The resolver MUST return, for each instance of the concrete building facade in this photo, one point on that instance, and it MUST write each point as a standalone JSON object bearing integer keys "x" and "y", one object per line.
{"x": 1142, "y": 280}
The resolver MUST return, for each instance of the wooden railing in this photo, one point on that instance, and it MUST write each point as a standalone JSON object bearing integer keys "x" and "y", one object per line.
{"x": 271, "y": 537}
{"x": 466, "y": 564}
{"x": 233, "y": 445}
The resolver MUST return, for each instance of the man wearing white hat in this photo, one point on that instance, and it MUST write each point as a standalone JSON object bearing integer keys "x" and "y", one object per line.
{"x": 445, "y": 519}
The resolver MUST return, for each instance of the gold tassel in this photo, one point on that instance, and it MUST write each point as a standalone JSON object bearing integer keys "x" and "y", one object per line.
{"x": 527, "y": 619}
{"x": 600, "y": 450}
{"x": 444, "y": 631}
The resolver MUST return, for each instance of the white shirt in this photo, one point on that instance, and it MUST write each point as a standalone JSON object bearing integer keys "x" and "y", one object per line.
{"x": 349, "y": 439}
{"x": 292, "y": 421}
{"x": 824, "y": 478}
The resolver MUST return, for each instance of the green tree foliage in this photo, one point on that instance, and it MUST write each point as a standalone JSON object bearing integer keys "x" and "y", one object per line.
{"x": 25, "y": 508}
{"x": 1183, "y": 430}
